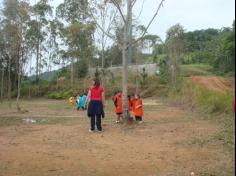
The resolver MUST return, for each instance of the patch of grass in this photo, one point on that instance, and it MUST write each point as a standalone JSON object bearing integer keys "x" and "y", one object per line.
{"x": 200, "y": 141}
{"x": 10, "y": 121}
{"x": 197, "y": 97}
{"x": 221, "y": 169}
{"x": 58, "y": 95}
{"x": 53, "y": 121}
{"x": 197, "y": 70}
{"x": 227, "y": 134}
{"x": 153, "y": 88}
{"x": 13, "y": 121}
{"x": 170, "y": 120}
{"x": 213, "y": 106}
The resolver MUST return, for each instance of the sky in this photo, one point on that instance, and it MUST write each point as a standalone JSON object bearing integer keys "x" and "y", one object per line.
{"x": 192, "y": 14}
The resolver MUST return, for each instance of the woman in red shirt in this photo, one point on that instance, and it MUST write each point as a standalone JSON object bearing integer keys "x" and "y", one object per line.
{"x": 96, "y": 105}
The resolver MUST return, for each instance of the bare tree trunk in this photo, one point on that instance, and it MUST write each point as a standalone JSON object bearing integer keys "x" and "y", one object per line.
{"x": 18, "y": 85}
{"x": 72, "y": 72}
{"x": 2, "y": 82}
{"x": 103, "y": 63}
{"x": 9, "y": 82}
{"x": 173, "y": 68}
{"x": 40, "y": 61}
{"x": 125, "y": 60}
{"x": 125, "y": 77}
{"x": 85, "y": 91}
{"x": 29, "y": 96}
{"x": 103, "y": 50}
{"x": 37, "y": 62}
{"x": 57, "y": 83}
{"x": 136, "y": 79}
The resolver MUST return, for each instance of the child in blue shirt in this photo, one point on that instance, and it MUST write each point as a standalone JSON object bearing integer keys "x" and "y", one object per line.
{"x": 82, "y": 102}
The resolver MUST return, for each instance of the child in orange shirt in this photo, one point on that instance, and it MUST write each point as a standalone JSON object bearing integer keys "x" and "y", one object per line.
{"x": 118, "y": 106}
{"x": 138, "y": 109}
{"x": 130, "y": 103}
{"x": 133, "y": 101}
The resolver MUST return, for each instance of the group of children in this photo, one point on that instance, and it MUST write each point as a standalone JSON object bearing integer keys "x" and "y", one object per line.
{"x": 134, "y": 104}
{"x": 79, "y": 101}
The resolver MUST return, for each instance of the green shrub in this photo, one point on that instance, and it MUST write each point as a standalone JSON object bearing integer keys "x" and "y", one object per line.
{"x": 56, "y": 95}
{"x": 143, "y": 77}
{"x": 81, "y": 69}
{"x": 61, "y": 95}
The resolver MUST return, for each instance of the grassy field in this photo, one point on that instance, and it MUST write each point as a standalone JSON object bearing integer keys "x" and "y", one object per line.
{"x": 171, "y": 142}
{"x": 197, "y": 69}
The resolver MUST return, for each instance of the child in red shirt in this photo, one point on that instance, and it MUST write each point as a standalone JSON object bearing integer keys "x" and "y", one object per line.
{"x": 138, "y": 109}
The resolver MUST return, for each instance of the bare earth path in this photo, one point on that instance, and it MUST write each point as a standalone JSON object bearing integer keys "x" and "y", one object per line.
{"x": 214, "y": 83}
{"x": 171, "y": 142}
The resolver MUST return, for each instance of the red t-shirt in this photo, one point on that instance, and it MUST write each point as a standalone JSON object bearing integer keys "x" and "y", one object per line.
{"x": 96, "y": 93}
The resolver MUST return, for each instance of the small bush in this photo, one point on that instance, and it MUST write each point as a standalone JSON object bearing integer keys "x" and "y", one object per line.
{"x": 56, "y": 95}
{"x": 81, "y": 68}
{"x": 61, "y": 95}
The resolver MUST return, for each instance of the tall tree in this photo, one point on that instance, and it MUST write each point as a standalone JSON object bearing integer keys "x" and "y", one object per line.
{"x": 150, "y": 41}
{"x": 2, "y": 61}
{"x": 175, "y": 45}
{"x": 24, "y": 18}
{"x": 127, "y": 40}
{"x": 37, "y": 32}
{"x": 77, "y": 33}
{"x": 10, "y": 38}
{"x": 106, "y": 14}
{"x": 12, "y": 45}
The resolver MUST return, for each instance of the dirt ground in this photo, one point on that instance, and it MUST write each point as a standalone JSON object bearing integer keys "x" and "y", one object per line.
{"x": 171, "y": 142}
{"x": 214, "y": 83}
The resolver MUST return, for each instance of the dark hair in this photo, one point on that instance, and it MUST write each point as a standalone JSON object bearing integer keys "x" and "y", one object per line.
{"x": 138, "y": 95}
{"x": 97, "y": 83}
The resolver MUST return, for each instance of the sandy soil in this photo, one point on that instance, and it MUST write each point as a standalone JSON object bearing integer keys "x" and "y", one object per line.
{"x": 171, "y": 142}
{"x": 214, "y": 83}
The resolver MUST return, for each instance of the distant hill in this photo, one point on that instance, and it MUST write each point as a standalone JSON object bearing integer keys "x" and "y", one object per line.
{"x": 46, "y": 76}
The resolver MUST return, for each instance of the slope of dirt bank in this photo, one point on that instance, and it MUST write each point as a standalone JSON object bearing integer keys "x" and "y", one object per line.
{"x": 171, "y": 142}
{"x": 214, "y": 83}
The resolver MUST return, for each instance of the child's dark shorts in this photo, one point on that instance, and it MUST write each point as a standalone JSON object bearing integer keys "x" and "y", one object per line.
{"x": 138, "y": 118}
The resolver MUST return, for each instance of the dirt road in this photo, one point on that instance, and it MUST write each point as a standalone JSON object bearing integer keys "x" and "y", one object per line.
{"x": 171, "y": 142}
{"x": 214, "y": 83}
